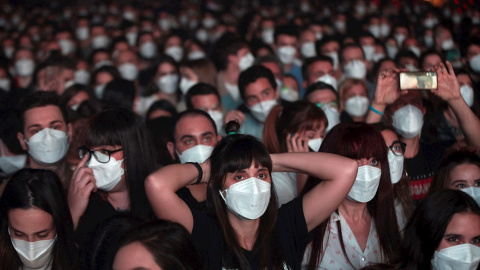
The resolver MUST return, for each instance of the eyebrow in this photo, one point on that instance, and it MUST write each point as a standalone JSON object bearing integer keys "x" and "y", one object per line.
{"x": 459, "y": 181}
{"x": 51, "y": 123}
{"x": 186, "y": 136}
{"x": 207, "y": 133}
{"x": 452, "y": 234}
{"x": 43, "y": 231}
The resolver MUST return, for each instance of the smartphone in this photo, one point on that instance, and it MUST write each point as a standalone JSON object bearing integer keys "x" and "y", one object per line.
{"x": 418, "y": 80}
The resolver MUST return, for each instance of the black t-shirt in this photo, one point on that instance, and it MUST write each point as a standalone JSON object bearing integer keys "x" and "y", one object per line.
{"x": 185, "y": 194}
{"x": 420, "y": 169}
{"x": 291, "y": 230}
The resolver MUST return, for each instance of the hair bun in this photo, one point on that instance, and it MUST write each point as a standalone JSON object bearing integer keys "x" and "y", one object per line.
{"x": 232, "y": 127}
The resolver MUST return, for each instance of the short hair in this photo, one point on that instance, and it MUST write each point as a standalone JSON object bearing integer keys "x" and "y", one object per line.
{"x": 194, "y": 113}
{"x": 161, "y": 104}
{"x": 40, "y": 99}
{"x": 113, "y": 71}
{"x": 428, "y": 53}
{"x": 252, "y": 74}
{"x": 228, "y": 44}
{"x": 204, "y": 69}
{"x": 286, "y": 29}
{"x": 269, "y": 58}
{"x": 311, "y": 60}
{"x": 348, "y": 46}
{"x": 200, "y": 89}
{"x": 319, "y": 86}
{"x": 406, "y": 54}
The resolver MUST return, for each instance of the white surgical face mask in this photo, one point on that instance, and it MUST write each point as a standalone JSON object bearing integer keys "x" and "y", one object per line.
{"x": 328, "y": 79}
{"x": 308, "y": 49}
{"x": 357, "y": 106}
{"x": 475, "y": 63}
{"x": 261, "y": 110}
{"x": 384, "y": 29}
{"x": 148, "y": 50}
{"x": 286, "y": 54}
{"x": 267, "y": 35}
{"x": 217, "y": 118}
{"x": 48, "y": 146}
{"x": 467, "y": 94}
{"x": 377, "y": 57}
{"x": 334, "y": 57}
{"x": 131, "y": 38}
{"x": 332, "y": 115}
{"x": 107, "y": 175}
{"x": 209, "y": 22}
{"x": 100, "y": 42}
{"x": 168, "y": 83}
{"x": 202, "y": 35}
{"x": 24, "y": 67}
{"x": 82, "y": 76}
{"x": 199, "y": 153}
{"x": 186, "y": 84}
{"x": 195, "y": 55}
{"x": 400, "y": 38}
{"x": 447, "y": 44}
{"x": 428, "y": 40}
{"x": 34, "y": 255}
{"x": 289, "y": 94}
{"x": 315, "y": 144}
{"x": 396, "y": 166}
{"x": 369, "y": 51}
{"x": 128, "y": 71}
{"x": 474, "y": 192}
{"x": 408, "y": 121}
{"x": 411, "y": 67}
{"x": 8, "y": 51}
{"x": 10, "y": 164}
{"x": 415, "y": 50}
{"x": 99, "y": 90}
{"x": 176, "y": 52}
{"x": 246, "y": 61}
{"x": 5, "y": 84}
{"x": 429, "y": 23}
{"x": 66, "y": 46}
{"x": 82, "y": 33}
{"x": 366, "y": 184}
{"x": 464, "y": 256}
{"x": 355, "y": 69}
{"x": 339, "y": 25}
{"x": 374, "y": 29}
{"x": 391, "y": 51}
{"x": 248, "y": 198}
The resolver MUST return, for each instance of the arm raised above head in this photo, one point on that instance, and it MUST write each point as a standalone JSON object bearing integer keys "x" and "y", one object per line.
{"x": 161, "y": 186}
{"x": 338, "y": 174}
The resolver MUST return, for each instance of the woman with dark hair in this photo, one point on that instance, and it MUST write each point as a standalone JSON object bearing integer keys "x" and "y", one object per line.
{"x": 161, "y": 108}
{"x": 158, "y": 245}
{"x": 116, "y": 158}
{"x": 459, "y": 170}
{"x": 296, "y": 127}
{"x": 36, "y": 229}
{"x": 245, "y": 229}
{"x": 164, "y": 82}
{"x": 401, "y": 186}
{"x": 443, "y": 233}
{"x": 363, "y": 229}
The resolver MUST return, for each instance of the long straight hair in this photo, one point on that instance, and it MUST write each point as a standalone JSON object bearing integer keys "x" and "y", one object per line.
{"x": 122, "y": 127}
{"x": 357, "y": 141}
{"x": 233, "y": 153}
{"x": 298, "y": 116}
{"x": 40, "y": 189}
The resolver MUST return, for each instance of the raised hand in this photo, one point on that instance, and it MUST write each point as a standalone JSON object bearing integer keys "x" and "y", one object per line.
{"x": 388, "y": 89}
{"x": 297, "y": 143}
{"x": 448, "y": 88}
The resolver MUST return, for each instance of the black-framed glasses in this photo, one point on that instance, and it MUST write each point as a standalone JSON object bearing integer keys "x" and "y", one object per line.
{"x": 101, "y": 155}
{"x": 398, "y": 148}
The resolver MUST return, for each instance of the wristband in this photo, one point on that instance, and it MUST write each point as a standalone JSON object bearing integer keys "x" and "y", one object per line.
{"x": 375, "y": 110}
{"x": 200, "y": 172}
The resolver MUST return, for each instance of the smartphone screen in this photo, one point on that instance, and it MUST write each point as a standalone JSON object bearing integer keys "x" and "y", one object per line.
{"x": 418, "y": 80}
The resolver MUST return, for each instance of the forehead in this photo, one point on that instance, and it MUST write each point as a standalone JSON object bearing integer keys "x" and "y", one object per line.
{"x": 30, "y": 220}
{"x": 389, "y": 136}
{"x": 193, "y": 125}
{"x": 273, "y": 67}
{"x": 465, "y": 224}
{"x": 286, "y": 38}
{"x": 331, "y": 46}
{"x": 464, "y": 78}
{"x": 202, "y": 100}
{"x": 352, "y": 53}
{"x": 256, "y": 87}
{"x": 42, "y": 114}
{"x": 322, "y": 96}
{"x": 324, "y": 66}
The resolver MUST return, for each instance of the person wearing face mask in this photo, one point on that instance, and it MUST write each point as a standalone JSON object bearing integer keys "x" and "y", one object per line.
{"x": 472, "y": 59}
{"x": 116, "y": 155}
{"x": 240, "y": 187}
{"x": 24, "y": 66}
{"x": 353, "y": 62}
{"x": 296, "y": 127}
{"x": 353, "y": 100}
{"x": 12, "y": 156}
{"x": 36, "y": 227}
{"x": 173, "y": 47}
{"x": 442, "y": 234}
{"x": 286, "y": 45}
{"x": 319, "y": 69}
{"x": 363, "y": 229}
{"x": 459, "y": 170}
{"x": 325, "y": 97}
{"x": 45, "y": 133}
{"x": 127, "y": 64}
{"x": 194, "y": 137}
{"x": 406, "y": 112}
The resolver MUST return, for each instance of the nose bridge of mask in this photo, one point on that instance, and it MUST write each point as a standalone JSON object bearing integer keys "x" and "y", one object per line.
{"x": 396, "y": 166}
{"x": 315, "y": 144}
{"x": 251, "y": 185}
{"x": 198, "y": 153}
{"x": 466, "y": 253}
{"x": 474, "y": 192}
{"x": 370, "y": 173}
{"x": 31, "y": 250}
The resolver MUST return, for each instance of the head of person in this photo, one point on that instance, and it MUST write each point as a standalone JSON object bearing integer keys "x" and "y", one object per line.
{"x": 466, "y": 88}
{"x": 430, "y": 59}
{"x": 259, "y": 90}
{"x": 286, "y": 43}
{"x": 194, "y": 136}
{"x": 119, "y": 93}
{"x": 161, "y": 108}
{"x": 120, "y": 154}
{"x": 353, "y": 61}
{"x": 35, "y": 223}
{"x": 354, "y": 97}
{"x": 406, "y": 114}
{"x": 472, "y": 55}
{"x": 325, "y": 97}
{"x": 232, "y": 53}
{"x": 272, "y": 62}
{"x": 13, "y": 157}
{"x": 301, "y": 117}
{"x": 101, "y": 77}
{"x": 459, "y": 170}
{"x": 407, "y": 59}
{"x": 318, "y": 68}
{"x": 173, "y": 46}
{"x": 329, "y": 46}
{"x": 127, "y": 64}
{"x": 205, "y": 97}
{"x": 166, "y": 75}
{"x": 195, "y": 71}
{"x": 74, "y": 96}
{"x": 444, "y": 230}
{"x": 241, "y": 162}
{"x": 45, "y": 132}
{"x": 157, "y": 245}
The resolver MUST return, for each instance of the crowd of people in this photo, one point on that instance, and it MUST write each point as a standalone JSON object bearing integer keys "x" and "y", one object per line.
{"x": 243, "y": 135}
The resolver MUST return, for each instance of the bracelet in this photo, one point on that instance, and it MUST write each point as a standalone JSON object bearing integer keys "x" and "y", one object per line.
{"x": 200, "y": 172}
{"x": 375, "y": 110}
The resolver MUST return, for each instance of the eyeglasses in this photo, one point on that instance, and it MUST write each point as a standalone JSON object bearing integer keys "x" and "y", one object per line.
{"x": 398, "y": 148}
{"x": 102, "y": 155}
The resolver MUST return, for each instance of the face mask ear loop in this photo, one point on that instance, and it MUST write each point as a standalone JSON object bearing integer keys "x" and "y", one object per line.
{"x": 221, "y": 194}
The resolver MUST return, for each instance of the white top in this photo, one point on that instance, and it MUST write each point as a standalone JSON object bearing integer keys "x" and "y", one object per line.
{"x": 285, "y": 184}
{"x": 334, "y": 257}
{"x": 401, "y": 218}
